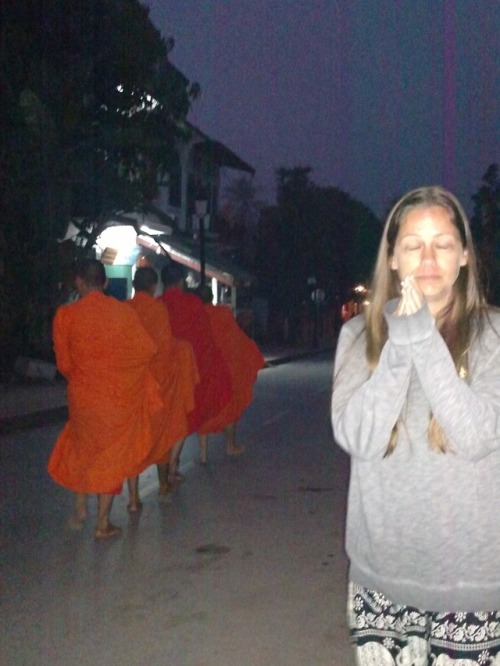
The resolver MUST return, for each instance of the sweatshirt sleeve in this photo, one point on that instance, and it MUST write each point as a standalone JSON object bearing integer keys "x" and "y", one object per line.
{"x": 365, "y": 406}
{"x": 467, "y": 410}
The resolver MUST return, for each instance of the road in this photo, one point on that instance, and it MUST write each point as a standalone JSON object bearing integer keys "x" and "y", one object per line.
{"x": 243, "y": 565}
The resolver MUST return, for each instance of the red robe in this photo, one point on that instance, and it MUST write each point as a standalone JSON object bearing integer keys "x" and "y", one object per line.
{"x": 174, "y": 368}
{"x": 104, "y": 352}
{"x": 190, "y": 322}
{"x": 244, "y": 361}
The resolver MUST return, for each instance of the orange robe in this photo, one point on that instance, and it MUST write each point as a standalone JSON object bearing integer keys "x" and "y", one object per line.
{"x": 190, "y": 322}
{"x": 174, "y": 368}
{"x": 104, "y": 352}
{"x": 244, "y": 361}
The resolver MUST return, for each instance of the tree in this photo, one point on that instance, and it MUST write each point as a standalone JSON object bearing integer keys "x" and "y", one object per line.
{"x": 239, "y": 217}
{"x": 314, "y": 237}
{"x": 485, "y": 224}
{"x": 90, "y": 108}
{"x": 295, "y": 194}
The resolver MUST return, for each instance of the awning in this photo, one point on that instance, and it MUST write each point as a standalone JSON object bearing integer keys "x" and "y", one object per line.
{"x": 223, "y": 271}
{"x": 155, "y": 222}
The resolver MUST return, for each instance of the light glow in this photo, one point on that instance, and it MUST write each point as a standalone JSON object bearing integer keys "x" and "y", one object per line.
{"x": 122, "y": 239}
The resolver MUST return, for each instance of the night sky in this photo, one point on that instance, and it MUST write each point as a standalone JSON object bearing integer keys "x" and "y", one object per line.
{"x": 377, "y": 96}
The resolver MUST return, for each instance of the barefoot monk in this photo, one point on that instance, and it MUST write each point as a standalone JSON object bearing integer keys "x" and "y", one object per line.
{"x": 174, "y": 368}
{"x": 244, "y": 360}
{"x": 189, "y": 322}
{"x": 104, "y": 352}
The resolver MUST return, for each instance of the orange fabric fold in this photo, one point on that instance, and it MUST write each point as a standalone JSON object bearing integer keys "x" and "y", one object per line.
{"x": 190, "y": 322}
{"x": 174, "y": 368}
{"x": 244, "y": 361}
{"x": 104, "y": 352}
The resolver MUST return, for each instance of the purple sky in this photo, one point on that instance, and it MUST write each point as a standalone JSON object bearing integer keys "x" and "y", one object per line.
{"x": 377, "y": 96}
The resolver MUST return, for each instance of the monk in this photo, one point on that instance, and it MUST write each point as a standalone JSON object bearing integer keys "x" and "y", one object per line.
{"x": 104, "y": 352}
{"x": 189, "y": 322}
{"x": 174, "y": 368}
{"x": 244, "y": 361}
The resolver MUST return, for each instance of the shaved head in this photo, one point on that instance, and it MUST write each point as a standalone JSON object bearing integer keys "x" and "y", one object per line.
{"x": 92, "y": 273}
{"x": 145, "y": 278}
{"x": 171, "y": 274}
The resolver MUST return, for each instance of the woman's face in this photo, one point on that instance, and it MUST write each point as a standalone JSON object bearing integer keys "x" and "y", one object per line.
{"x": 428, "y": 246}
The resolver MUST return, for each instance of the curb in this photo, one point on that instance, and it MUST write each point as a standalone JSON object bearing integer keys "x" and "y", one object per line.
{"x": 280, "y": 360}
{"x": 32, "y": 420}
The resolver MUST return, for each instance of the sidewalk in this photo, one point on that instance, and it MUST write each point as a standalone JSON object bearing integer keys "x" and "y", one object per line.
{"x": 26, "y": 403}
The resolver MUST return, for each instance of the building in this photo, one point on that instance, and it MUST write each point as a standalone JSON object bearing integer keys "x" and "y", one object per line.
{"x": 178, "y": 226}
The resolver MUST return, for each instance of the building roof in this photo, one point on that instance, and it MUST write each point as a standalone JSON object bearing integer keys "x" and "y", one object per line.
{"x": 219, "y": 153}
{"x": 223, "y": 156}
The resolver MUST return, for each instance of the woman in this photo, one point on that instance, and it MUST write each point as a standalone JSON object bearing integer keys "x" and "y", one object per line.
{"x": 416, "y": 404}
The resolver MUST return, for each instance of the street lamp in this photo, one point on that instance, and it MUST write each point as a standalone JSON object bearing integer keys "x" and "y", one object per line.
{"x": 200, "y": 207}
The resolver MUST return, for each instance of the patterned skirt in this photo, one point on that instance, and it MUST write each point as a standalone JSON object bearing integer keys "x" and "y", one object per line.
{"x": 387, "y": 634}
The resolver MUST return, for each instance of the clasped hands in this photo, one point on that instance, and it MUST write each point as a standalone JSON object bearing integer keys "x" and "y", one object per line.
{"x": 412, "y": 298}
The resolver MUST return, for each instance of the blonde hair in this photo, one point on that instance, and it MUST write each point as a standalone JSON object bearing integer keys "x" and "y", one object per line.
{"x": 456, "y": 323}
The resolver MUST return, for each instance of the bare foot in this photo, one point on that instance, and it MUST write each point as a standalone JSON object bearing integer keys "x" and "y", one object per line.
{"x": 164, "y": 489}
{"x": 235, "y": 450}
{"x": 76, "y": 522}
{"x": 134, "y": 507}
{"x": 81, "y": 512}
{"x": 174, "y": 480}
{"x": 109, "y": 531}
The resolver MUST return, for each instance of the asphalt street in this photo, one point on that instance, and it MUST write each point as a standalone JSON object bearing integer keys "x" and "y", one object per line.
{"x": 243, "y": 565}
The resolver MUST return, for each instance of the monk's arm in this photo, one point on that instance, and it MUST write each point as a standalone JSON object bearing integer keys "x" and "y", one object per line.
{"x": 61, "y": 347}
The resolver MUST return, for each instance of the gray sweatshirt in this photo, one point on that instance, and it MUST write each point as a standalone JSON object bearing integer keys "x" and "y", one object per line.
{"x": 423, "y": 527}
